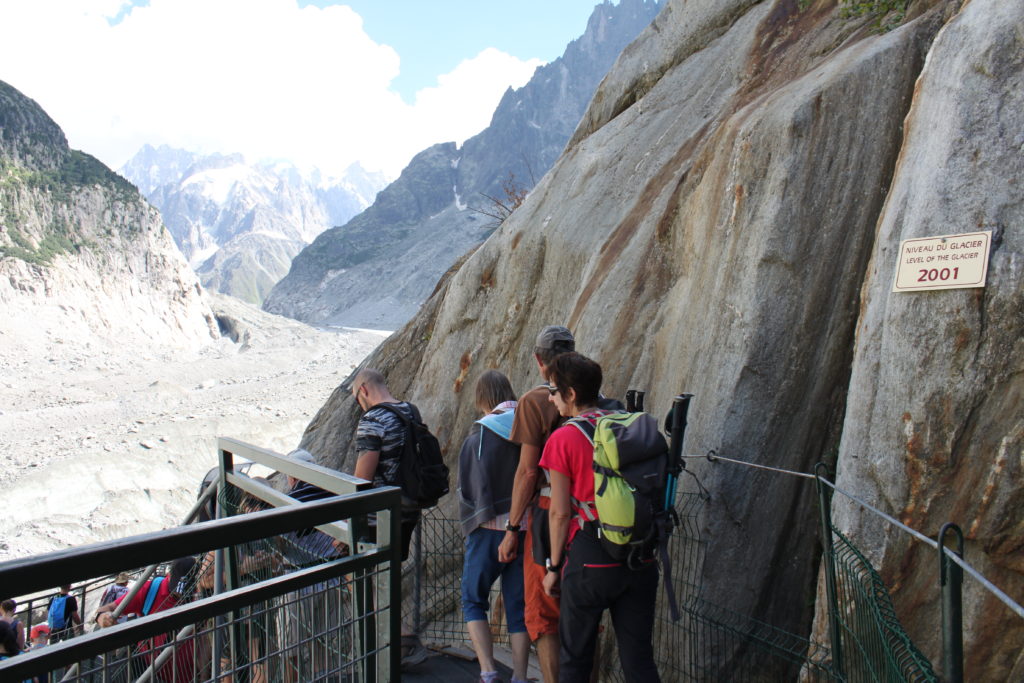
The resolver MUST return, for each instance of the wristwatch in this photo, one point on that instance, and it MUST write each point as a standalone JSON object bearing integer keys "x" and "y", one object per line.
{"x": 509, "y": 526}
{"x": 552, "y": 567}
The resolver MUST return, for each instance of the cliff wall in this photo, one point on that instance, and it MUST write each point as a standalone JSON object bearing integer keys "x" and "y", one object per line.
{"x": 725, "y": 221}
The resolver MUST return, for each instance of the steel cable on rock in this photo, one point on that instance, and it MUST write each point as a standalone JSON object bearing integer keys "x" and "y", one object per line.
{"x": 992, "y": 588}
{"x": 712, "y": 456}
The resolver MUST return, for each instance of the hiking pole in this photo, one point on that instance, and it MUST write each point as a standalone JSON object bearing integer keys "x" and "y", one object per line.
{"x": 676, "y": 422}
{"x": 631, "y": 401}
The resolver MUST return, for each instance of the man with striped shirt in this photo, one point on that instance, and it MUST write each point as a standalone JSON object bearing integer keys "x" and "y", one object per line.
{"x": 380, "y": 441}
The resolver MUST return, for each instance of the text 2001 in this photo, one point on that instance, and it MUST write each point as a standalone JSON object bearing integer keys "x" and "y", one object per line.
{"x": 933, "y": 274}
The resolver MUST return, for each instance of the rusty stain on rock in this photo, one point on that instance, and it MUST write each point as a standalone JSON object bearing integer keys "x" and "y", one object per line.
{"x": 464, "y": 363}
{"x": 487, "y": 277}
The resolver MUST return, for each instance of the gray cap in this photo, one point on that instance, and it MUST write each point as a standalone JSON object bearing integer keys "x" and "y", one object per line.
{"x": 553, "y": 334}
{"x": 301, "y": 455}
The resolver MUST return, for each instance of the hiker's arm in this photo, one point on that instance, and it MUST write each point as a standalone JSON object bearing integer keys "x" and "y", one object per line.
{"x": 523, "y": 487}
{"x": 558, "y": 517}
{"x": 206, "y": 574}
{"x": 109, "y": 607}
{"x": 366, "y": 464}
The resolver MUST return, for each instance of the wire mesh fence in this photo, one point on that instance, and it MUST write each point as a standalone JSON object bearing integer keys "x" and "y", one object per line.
{"x": 305, "y": 610}
{"x": 875, "y": 646}
{"x": 707, "y": 643}
{"x": 310, "y": 634}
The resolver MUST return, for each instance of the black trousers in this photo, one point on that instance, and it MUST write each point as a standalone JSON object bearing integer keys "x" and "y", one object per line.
{"x": 591, "y": 583}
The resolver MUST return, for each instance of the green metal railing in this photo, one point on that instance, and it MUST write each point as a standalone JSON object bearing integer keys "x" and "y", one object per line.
{"x": 868, "y": 641}
{"x": 874, "y": 645}
{"x": 305, "y": 609}
{"x": 182, "y": 639}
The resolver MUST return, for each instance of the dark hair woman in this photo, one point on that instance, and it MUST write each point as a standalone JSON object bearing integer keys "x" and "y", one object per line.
{"x": 7, "y": 610}
{"x": 587, "y": 578}
{"x": 487, "y": 467}
{"x": 8, "y": 641}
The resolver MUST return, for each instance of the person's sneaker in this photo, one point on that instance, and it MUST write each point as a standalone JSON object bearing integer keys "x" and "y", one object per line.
{"x": 413, "y": 652}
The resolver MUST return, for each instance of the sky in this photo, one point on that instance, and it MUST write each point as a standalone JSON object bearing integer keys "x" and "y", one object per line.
{"x": 316, "y": 82}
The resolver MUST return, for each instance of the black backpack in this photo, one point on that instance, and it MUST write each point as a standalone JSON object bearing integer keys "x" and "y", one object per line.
{"x": 422, "y": 473}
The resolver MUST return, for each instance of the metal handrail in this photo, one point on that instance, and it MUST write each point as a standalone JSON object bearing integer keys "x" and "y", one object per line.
{"x": 38, "y": 662}
{"x": 191, "y": 540}
{"x": 108, "y": 557}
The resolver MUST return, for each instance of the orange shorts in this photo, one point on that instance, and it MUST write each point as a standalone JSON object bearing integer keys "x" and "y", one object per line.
{"x": 541, "y": 609}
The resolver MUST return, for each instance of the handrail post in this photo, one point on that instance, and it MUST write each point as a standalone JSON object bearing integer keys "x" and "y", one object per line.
{"x": 824, "y": 507}
{"x": 224, "y": 463}
{"x": 951, "y": 578}
{"x": 229, "y": 567}
{"x": 417, "y": 584}
{"x": 395, "y": 595}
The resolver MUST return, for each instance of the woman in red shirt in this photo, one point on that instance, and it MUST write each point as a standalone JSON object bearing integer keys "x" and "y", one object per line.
{"x": 589, "y": 580}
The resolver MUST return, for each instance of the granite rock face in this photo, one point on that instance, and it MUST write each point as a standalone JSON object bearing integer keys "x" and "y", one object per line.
{"x": 83, "y": 254}
{"x": 934, "y": 430}
{"x": 377, "y": 269}
{"x": 725, "y": 222}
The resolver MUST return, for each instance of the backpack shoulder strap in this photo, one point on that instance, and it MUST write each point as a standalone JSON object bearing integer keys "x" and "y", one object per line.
{"x": 392, "y": 408}
{"x": 154, "y": 588}
{"x": 584, "y": 425}
{"x": 395, "y": 410}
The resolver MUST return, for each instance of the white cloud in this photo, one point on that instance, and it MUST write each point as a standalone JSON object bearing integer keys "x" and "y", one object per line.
{"x": 261, "y": 77}
{"x": 476, "y": 85}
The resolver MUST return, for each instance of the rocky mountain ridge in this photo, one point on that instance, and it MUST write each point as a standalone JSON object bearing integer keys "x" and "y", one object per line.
{"x": 81, "y": 248}
{"x": 376, "y": 270}
{"x": 239, "y": 224}
{"x": 726, "y": 221}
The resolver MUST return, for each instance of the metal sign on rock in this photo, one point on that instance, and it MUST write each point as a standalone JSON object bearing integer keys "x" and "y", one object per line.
{"x": 946, "y": 262}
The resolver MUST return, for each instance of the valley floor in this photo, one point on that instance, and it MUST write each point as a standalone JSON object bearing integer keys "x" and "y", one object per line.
{"x": 102, "y": 440}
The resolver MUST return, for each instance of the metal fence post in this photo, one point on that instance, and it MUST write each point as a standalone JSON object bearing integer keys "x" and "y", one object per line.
{"x": 951, "y": 578}
{"x": 824, "y": 507}
{"x": 225, "y": 462}
{"x": 394, "y": 594}
{"x": 417, "y": 584}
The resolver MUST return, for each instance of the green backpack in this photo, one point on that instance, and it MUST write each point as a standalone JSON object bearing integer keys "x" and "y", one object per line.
{"x": 631, "y": 467}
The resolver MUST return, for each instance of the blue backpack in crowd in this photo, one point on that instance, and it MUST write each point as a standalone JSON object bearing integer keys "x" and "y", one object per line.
{"x": 56, "y": 614}
{"x": 154, "y": 588}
